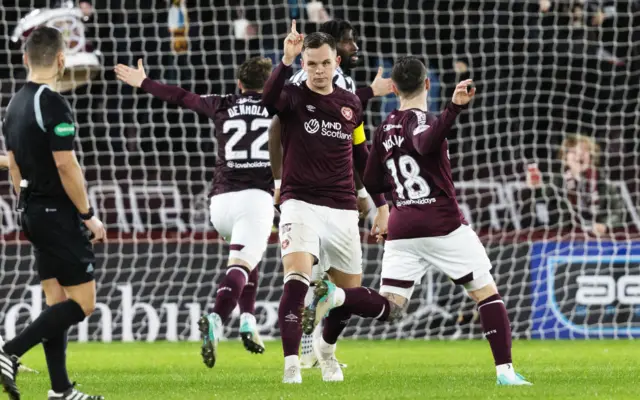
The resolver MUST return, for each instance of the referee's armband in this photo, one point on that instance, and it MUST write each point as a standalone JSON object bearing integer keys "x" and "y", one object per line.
{"x": 358, "y": 135}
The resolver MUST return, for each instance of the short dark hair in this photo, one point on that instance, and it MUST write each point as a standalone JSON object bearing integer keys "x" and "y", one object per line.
{"x": 317, "y": 40}
{"x": 254, "y": 72}
{"x": 408, "y": 74}
{"x": 43, "y": 46}
{"x": 336, "y": 28}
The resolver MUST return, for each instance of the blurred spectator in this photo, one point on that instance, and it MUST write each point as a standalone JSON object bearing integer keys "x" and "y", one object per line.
{"x": 86, "y": 7}
{"x": 615, "y": 26}
{"x": 243, "y": 29}
{"x": 578, "y": 189}
{"x": 317, "y": 13}
{"x": 178, "y": 22}
{"x": 612, "y": 24}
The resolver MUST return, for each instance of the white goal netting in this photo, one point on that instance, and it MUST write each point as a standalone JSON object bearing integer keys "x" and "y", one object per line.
{"x": 544, "y": 70}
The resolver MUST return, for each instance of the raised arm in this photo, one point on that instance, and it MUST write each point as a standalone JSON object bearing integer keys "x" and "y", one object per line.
{"x": 428, "y": 138}
{"x": 272, "y": 94}
{"x": 365, "y": 94}
{"x": 137, "y": 77}
{"x": 206, "y": 105}
{"x": 380, "y": 86}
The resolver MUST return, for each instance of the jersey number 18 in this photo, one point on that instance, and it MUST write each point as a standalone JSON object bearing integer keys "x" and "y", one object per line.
{"x": 414, "y": 184}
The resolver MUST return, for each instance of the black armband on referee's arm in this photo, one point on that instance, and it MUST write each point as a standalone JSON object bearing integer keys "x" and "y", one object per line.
{"x": 90, "y": 214}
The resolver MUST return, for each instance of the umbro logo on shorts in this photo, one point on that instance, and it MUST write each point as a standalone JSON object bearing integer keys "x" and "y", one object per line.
{"x": 291, "y": 317}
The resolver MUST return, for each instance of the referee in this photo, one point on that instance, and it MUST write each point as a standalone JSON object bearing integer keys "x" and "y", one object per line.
{"x": 56, "y": 217}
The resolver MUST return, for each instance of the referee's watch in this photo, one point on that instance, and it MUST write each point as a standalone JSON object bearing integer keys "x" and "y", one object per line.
{"x": 88, "y": 215}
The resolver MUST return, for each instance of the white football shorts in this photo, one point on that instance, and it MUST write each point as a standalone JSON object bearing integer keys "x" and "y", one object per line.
{"x": 244, "y": 219}
{"x": 331, "y": 235}
{"x": 460, "y": 255}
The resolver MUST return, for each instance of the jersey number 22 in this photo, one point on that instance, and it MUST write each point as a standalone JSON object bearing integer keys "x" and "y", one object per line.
{"x": 257, "y": 125}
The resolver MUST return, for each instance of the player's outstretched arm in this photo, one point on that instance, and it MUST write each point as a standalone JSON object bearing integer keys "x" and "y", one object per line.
{"x": 429, "y": 138}
{"x": 380, "y": 86}
{"x": 272, "y": 94}
{"x": 137, "y": 77}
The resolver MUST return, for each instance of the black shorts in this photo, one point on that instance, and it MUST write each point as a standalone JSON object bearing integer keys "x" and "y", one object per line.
{"x": 60, "y": 240}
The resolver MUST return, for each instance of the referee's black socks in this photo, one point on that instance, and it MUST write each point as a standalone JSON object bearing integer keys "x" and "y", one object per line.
{"x": 55, "y": 350}
{"x": 51, "y": 323}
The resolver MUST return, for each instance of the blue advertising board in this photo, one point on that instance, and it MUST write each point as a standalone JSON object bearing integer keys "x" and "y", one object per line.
{"x": 585, "y": 289}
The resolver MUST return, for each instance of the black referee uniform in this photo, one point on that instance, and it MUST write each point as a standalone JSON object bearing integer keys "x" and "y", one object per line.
{"x": 39, "y": 121}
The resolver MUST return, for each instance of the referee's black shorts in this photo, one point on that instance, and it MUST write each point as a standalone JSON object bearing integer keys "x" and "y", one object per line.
{"x": 60, "y": 240}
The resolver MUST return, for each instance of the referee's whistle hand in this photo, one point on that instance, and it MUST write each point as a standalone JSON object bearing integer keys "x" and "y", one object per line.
{"x": 98, "y": 233}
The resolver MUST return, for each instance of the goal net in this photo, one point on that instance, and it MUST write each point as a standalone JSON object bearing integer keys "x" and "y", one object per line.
{"x": 535, "y": 194}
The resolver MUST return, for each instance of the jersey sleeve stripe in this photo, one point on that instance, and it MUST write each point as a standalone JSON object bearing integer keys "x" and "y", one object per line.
{"x": 358, "y": 135}
{"x": 38, "y": 109}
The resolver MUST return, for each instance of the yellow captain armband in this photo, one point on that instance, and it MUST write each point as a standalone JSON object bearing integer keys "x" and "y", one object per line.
{"x": 358, "y": 135}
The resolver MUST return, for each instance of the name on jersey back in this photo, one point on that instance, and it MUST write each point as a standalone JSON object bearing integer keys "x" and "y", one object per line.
{"x": 248, "y": 109}
{"x": 392, "y": 141}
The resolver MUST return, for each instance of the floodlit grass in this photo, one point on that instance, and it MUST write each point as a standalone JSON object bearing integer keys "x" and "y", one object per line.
{"x": 377, "y": 370}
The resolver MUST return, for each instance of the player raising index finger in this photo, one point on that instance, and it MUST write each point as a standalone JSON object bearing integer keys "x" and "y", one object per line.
{"x": 322, "y": 134}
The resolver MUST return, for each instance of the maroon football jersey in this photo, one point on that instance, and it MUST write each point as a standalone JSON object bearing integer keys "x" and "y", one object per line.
{"x": 242, "y": 130}
{"x": 317, "y": 141}
{"x": 410, "y": 158}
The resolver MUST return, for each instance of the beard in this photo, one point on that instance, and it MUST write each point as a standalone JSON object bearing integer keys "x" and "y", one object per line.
{"x": 348, "y": 63}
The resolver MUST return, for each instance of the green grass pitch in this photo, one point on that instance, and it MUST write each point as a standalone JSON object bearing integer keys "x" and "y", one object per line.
{"x": 377, "y": 370}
